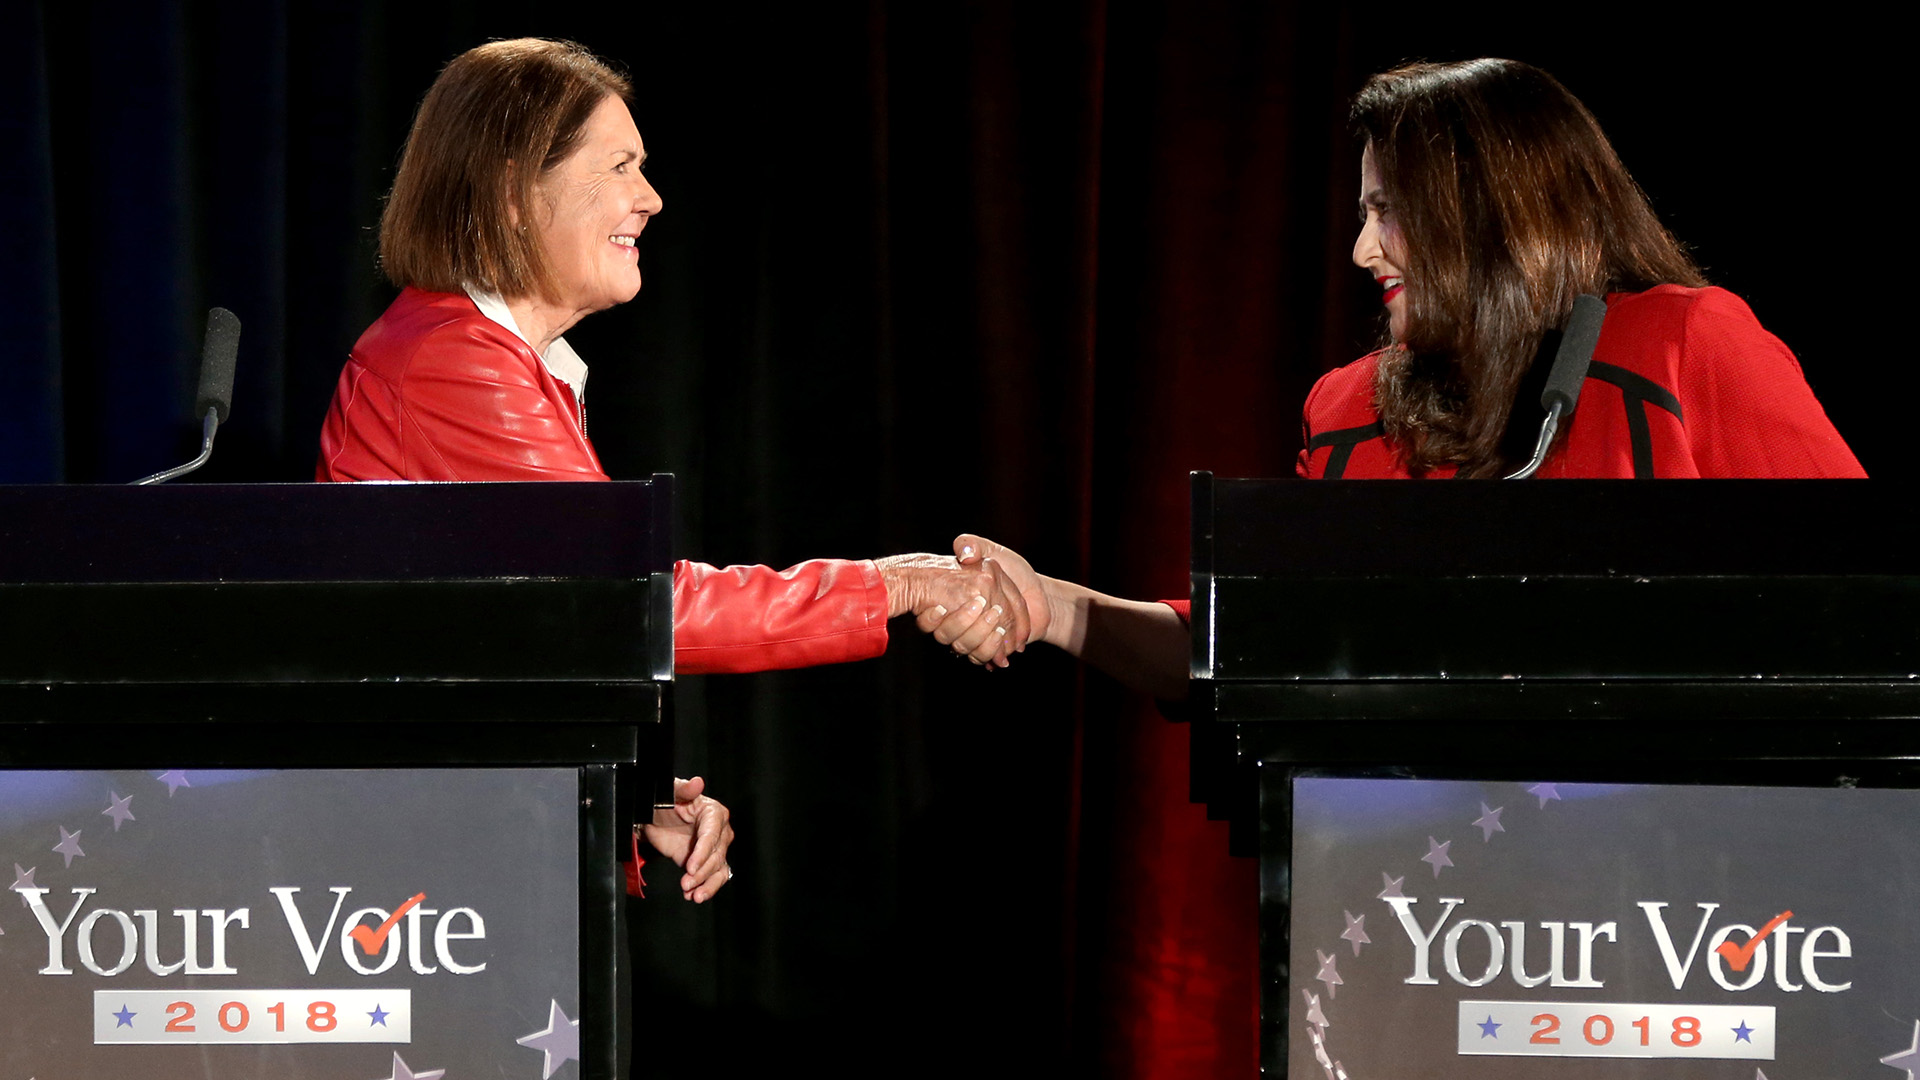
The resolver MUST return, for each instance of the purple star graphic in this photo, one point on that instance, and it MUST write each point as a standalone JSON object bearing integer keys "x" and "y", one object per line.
{"x": 1546, "y": 792}
{"x": 1743, "y": 1033}
{"x": 560, "y": 1040}
{"x": 1437, "y": 855}
{"x": 1908, "y": 1059}
{"x": 177, "y": 778}
{"x": 1392, "y": 891}
{"x": 1489, "y": 822}
{"x": 124, "y": 1016}
{"x": 23, "y": 879}
{"x": 1356, "y": 931}
{"x": 378, "y": 1016}
{"x": 1488, "y": 1028}
{"x": 118, "y": 811}
{"x": 69, "y": 845}
{"x": 1328, "y": 973}
{"x": 401, "y": 1072}
{"x": 1314, "y": 1016}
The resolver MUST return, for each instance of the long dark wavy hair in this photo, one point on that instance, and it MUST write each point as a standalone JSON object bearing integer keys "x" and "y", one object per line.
{"x": 1510, "y": 203}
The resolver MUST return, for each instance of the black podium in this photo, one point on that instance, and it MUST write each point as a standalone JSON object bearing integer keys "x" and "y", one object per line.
{"x": 1633, "y": 726}
{"x": 231, "y": 715}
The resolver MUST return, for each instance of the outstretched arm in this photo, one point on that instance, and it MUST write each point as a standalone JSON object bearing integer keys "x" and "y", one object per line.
{"x": 826, "y": 611}
{"x": 1144, "y": 645}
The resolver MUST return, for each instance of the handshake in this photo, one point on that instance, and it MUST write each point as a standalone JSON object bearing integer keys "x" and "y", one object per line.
{"x": 985, "y": 601}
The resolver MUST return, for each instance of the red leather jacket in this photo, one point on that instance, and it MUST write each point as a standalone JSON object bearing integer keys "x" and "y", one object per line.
{"x": 434, "y": 390}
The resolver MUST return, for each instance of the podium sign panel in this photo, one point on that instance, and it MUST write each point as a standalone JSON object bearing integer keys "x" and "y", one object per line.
{"x": 211, "y": 924}
{"x": 1719, "y": 679}
{"x": 1464, "y": 929}
{"x": 326, "y": 781}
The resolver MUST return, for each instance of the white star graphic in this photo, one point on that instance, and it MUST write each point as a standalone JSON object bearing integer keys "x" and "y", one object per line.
{"x": 1437, "y": 855}
{"x": 23, "y": 879}
{"x": 68, "y": 846}
{"x": 401, "y": 1072}
{"x": 1489, "y": 822}
{"x": 1356, "y": 931}
{"x": 119, "y": 811}
{"x": 1329, "y": 974}
{"x": 1392, "y": 890}
{"x": 1315, "y": 1018}
{"x": 1908, "y": 1059}
{"x": 560, "y": 1040}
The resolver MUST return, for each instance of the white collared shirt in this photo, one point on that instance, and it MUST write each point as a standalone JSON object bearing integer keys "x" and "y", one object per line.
{"x": 560, "y": 360}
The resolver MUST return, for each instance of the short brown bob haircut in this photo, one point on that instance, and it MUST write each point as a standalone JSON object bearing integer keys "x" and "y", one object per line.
{"x": 1510, "y": 203}
{"x": 449, "y": 221}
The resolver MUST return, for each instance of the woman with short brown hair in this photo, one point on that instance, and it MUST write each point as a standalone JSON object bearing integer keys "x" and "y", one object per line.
{"x": 517, "y": 211}
{"x": 451, "y": 219}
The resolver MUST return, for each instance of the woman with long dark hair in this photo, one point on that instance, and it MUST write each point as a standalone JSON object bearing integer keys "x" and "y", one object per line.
{"x": 1489, "y": 201}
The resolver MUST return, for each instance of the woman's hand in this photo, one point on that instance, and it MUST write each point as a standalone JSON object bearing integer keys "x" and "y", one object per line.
{"x": 694, "y": 832}
{"x": 1045, "y": 611}
{"x": 1145, "y": 646}
{"x": 932, "y": 587}
{"x": 964, "y": 630}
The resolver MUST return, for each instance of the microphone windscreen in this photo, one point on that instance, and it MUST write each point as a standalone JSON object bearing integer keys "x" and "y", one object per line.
{"x": 217, "y": 358}
{"x": 1576, "y": 352}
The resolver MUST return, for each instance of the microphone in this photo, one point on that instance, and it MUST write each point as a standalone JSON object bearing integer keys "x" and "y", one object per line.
{"x": 1568, "y": 373}
{"x": 217, "y": 356}
{"x": 218, "y": 353}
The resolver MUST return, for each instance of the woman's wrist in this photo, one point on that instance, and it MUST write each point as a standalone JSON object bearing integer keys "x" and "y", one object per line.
{"x": 1066, "y": 613}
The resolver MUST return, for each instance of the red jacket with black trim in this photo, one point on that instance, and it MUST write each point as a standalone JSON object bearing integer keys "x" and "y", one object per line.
{"x": 1684, "y": 383}
{"x": 434, "y": 390}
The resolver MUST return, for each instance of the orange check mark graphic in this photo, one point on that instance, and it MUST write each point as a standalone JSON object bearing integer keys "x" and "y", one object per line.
{"x": 1739, "y": 956}
{"x": 372, "y": 938}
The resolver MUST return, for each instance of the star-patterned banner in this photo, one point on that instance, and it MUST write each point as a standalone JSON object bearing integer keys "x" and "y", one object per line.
{"x": 1450, "y": 929}
{"x": 356, "y": 924}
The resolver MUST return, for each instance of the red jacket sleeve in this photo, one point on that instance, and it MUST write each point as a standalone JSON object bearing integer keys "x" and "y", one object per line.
{"x": 754, "y": 618}
{"x": 435, "y": 391}
{"x": 1749, "y": 411}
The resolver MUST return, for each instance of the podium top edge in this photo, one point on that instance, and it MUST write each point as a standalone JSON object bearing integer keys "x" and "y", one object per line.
{"x": 333, "y": 532}
{"x": 1341, "y": 528}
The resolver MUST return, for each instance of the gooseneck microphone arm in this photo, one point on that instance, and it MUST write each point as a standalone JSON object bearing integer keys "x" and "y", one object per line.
{"x": 1569, "y": 371}
{"x": 217, "y": 356}
{"x": 207, "y": 425}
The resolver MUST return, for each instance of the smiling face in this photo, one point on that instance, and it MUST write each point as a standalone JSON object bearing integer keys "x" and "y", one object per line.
{"x": 1379, "y": 250}
{"x": 589, "y": 211}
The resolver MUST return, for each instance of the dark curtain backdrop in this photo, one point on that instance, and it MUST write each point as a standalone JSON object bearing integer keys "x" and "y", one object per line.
{"x": 1005, "y": 267}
